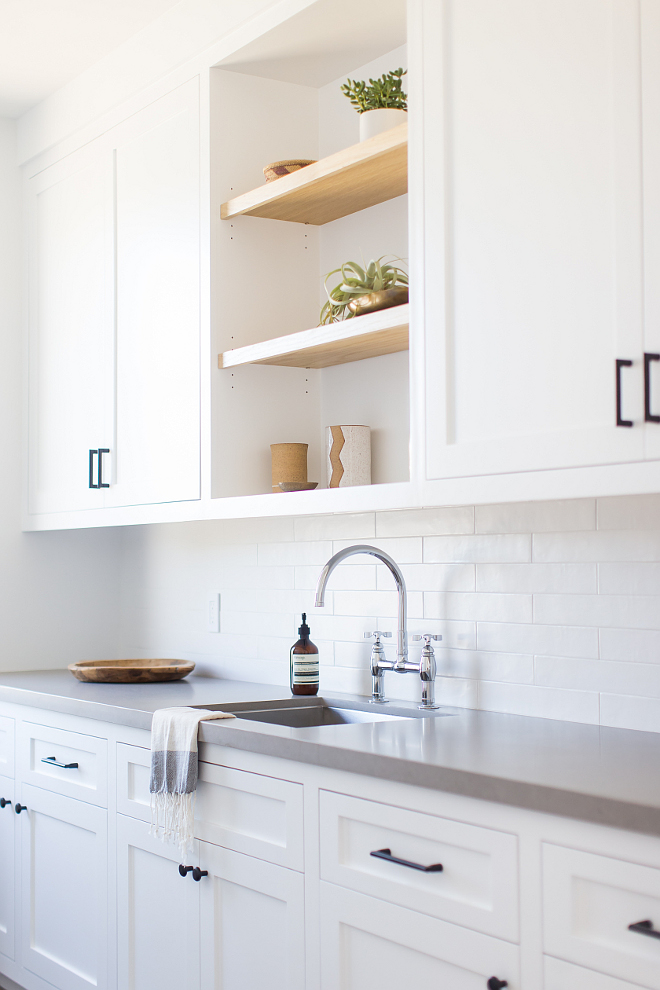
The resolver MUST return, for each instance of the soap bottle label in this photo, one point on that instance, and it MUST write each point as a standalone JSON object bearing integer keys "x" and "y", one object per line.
{"x": 304, "y": 668}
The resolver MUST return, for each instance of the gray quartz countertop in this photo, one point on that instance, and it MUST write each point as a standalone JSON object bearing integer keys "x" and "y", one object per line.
{"x": 609, "y": 776}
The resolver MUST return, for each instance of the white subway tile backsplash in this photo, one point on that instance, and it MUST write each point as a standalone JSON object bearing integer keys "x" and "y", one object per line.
{"x": 629, "y": 579}
{"x": 426, "y": 522}
{"x": 476, "y": 549}
{"x": 630, "y": 645}
{"x": 565, "y": 641}
{"x": 567, "y": 579}
{"x": 540, "y": 612}
{"x": 478, "y": 607}
{"x": 642, "y": 612}
{"x": 629, "y": 512}
{"x": 540, "y": 702}
{"x": 536, "y": 517}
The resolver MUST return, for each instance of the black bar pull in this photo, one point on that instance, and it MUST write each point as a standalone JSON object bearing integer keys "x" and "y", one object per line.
{"x": 92, "y": 455}
{"x": 495, "y": 984}
{"x": 20, "y": 807}
{"x": 198, "y": 874}
{"x": 644, "y": 928}
{"x": 102, "y": 451}
{"x": 185, "y": 870}
{"x": 387, "y": 855}
{"x": 648, "y": 415}
{"x": 4, "y": 802}
{"x": 53, "y": 762}
{"x": 621, "y": 363}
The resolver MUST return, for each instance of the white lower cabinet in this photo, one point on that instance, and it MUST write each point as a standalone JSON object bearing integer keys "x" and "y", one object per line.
{"x": 252, "y": 923}
{"x": 7, "y": 867}
{"x": 367, "y": 944}
{"x": 560, "y": 975}
{"x": 157, "y": 912}
{"x": 64, "y": 890}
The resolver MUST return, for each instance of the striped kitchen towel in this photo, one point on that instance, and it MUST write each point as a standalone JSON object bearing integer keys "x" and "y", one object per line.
{"x": 174, "y": 772}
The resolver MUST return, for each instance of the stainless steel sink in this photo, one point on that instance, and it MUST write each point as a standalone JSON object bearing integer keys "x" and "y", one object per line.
{"x": 299, "y": 714}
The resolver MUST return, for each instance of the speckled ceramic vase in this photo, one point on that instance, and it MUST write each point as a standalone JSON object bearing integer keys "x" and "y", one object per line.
{"x": 349, "y": 456}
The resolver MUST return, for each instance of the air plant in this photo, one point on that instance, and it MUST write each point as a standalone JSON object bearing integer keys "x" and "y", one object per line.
{"x": 356, "y": 282}
{"x": 385, "y": 93}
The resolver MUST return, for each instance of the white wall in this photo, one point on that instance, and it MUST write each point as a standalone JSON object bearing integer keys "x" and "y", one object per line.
{"x": 549, "y": 609}
{"x": 58, "y": 591}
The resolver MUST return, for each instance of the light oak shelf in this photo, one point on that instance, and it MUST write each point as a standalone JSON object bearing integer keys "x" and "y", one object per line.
{"x": 351, "y": 180}
{"x": 384, "y": 332}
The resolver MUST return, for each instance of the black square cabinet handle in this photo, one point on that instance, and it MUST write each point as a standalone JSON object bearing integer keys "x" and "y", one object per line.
{"x": 98, "y": 453}
{"x": 649, "y": 417}
{"x": 621, "y": 363}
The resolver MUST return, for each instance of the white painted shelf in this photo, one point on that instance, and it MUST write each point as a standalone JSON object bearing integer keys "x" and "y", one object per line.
{"x": 371, "y": 335}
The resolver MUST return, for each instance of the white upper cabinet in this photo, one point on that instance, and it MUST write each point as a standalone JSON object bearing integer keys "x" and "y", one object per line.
{"x": 534, "y": 234}
{"x": 114, "y": 314}
{"x": 71, "y": 311}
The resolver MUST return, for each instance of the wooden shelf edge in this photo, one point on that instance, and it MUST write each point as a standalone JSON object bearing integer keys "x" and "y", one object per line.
{"x": 288, "y": 186}
{"x": 372, "y": 335}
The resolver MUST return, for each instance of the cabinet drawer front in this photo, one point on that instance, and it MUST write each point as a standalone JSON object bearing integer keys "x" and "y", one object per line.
{"x": 478, "y": 884}
{"x": 560, "y": 975}
{"x": 371, "y": 945}
{"x": 38, "y": 744}
{"x": 589, "y": 901}
{"x": 7, "y": 728}
{"x": 248, "y": 812}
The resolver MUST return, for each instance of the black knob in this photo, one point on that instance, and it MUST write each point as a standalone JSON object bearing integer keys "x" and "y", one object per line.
{"x": 4, "y": 802}
{"x": 495, "y": 984}
{"x": 198, "y": 874}
{"x": 20, "y": 807}
{"x": 184, "y": 870}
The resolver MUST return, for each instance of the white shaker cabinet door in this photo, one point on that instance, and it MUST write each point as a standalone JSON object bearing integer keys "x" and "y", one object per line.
{"x": 533, "y": 234}
{"x": 368, "y": 944}
{"x": 71, "y": 320}
{"x": 64, "y": 890}
{"x": 157, "y": 913}
{"x": 252, "y": 923}
{"x": 157, "y": 161}
{"x": 650, "y": 48}
{"x": 7, "y": 867}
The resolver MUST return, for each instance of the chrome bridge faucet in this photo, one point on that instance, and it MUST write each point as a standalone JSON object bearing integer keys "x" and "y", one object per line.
{"x": 379, "y": 664}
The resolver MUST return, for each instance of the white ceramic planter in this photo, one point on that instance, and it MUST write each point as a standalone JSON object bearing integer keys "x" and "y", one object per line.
{"x": 376, "y": 121}
{"x": 349, "y": 456}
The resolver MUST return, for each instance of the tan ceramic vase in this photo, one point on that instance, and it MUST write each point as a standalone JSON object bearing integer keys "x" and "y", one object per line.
{"x": 289, "y": 462}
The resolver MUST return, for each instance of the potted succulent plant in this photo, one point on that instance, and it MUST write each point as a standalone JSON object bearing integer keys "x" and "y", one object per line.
{"x": 360, "y": 290}
{"x": 381, "y": 103}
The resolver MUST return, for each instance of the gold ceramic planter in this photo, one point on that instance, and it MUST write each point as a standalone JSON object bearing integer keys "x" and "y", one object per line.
{"x": 373, "y": 301}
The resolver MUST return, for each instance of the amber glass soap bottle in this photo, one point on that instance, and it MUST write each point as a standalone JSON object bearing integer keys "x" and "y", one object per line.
{"x": 304, "y": 663}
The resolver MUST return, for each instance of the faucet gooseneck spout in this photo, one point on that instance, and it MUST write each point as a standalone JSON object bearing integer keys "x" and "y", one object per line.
{"x": 402, "y": 638}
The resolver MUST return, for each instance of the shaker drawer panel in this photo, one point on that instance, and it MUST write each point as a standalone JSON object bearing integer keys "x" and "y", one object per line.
{"x": 68, "y": 763}
{"x": 478, "y": 884}
{"x": 247, "y": 812}
{"x": 7, "y": 729}
{"x": 560, "y": 975}
{"x": 251, "y": 813}
{"x": 589, "y": 902}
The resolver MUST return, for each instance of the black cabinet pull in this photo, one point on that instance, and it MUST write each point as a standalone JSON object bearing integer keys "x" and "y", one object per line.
{"x": 621, "y": 363}
{"x": 644, "y": 928}
{"x": 92, "y": 455}
{"x": 648, "y": 415}
{"x": 185, "y": 870}
{"x": 20, "y": 807}
{"x": 4, "y": 802}
{"x": 53, "y": 762}
{"x": 495, "y": 984}
{"x": 387, "y": 855}
{"x": 102, "y": 451}
{"x": 198, "y": 874}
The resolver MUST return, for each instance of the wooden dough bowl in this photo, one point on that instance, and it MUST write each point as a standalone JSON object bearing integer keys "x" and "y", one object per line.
{"x": 131, "y": 671}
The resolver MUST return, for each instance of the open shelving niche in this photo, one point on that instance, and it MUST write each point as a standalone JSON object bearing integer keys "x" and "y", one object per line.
{"x": 281, "y": 377}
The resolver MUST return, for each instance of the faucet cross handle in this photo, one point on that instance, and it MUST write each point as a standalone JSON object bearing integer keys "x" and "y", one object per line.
{"x": 377, "y": 633}
{"x": 427, "y": 637}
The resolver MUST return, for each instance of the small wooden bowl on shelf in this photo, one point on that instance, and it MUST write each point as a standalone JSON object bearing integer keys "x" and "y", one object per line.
{"x": 277, "y": 169}
{"x": 131, "y": 671}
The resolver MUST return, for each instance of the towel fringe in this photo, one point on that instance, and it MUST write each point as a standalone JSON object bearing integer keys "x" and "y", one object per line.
{"x": 173, "y": 819}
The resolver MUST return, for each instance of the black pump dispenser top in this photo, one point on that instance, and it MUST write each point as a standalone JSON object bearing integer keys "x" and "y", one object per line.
{"x": 304, "y": 630}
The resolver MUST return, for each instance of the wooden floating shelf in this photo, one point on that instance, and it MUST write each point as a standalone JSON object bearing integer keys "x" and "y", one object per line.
{"x": 384, "y": 332}
{"x": 351, "y": 180}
